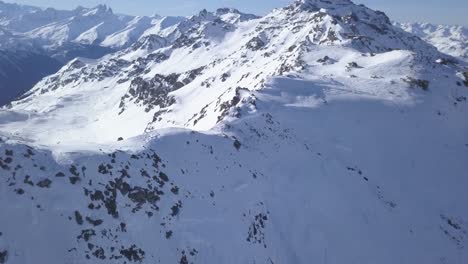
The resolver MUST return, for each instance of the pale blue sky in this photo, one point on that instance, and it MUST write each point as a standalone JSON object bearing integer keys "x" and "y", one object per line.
{"x": 434, "y": 11}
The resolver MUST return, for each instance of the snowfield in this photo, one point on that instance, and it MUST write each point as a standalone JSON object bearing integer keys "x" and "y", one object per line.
{"x": 319, "y": 133}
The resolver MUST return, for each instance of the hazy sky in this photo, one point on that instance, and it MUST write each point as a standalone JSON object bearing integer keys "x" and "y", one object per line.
{"x": 434, "y": 11}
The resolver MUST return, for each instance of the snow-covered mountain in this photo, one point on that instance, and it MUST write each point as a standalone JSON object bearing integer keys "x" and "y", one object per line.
{"x": 84, "y": 32}
{"x": 452, "y": 40}
{"x": 51, "y": 27}
{"x": 319, "y": 133}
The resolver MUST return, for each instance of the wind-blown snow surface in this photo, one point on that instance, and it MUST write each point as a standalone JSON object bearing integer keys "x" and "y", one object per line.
{"x": 319, "y": 133}
{"x": 452, "y": 40}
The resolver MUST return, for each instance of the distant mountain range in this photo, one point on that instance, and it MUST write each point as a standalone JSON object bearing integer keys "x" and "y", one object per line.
{"x": 452, "y": 40}
{"x": 51, "y": 38}
{"x": 62, "y": 35}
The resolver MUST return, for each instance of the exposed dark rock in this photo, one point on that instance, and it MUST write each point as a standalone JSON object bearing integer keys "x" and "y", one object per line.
{"x": 27, "y": 180}
{"x": 331, "y": 37}
{"x": 103, "y": 169}
{"x": 78, "y": 218}
{"x": 237, "y": 144}
{"x": 292, "y": 48}
{"x": 163, "y": 177}
{"x": 97, "y": 196}
{"x": 175, "y": 210}
{"x": 183, "y": 260}
{"x": 29, "y": 153}
{"x": 324, "y": 59}
{"x": 225, "y": 76}
{"x": 152, "y": 93}
{"x": 352, "y": 65}
{"x": 60, "y": 175}
{"x": 94, "y": 222}
{"x": 110, "y": 202}
{"x": 44, "y": 183}
{"x": 3, "y": 257}
{"x": 256, "y": 232}
{"x": 461, "y": 99}
{"x": 73, "y": 170}
{"x": 465, "y": 75}
{"x": 150, "y": 43}
{"x": 227, "y": 106}
{"x": 87, "y": 234}
{"x": 99, "y": 253}
{"x": 255, "y": 44}
{"x": 452, "y": 223}
{"x": 423, "y": 84}
{"x": 123, "y": 227}
{"x": 133, "y": 254}
{"x": 123, "y": 187}
{"x": 140, "y": 196}
{"x": 74, "y": 180}
{"x": 175, "y": 190}
{"x": 184, "y": 41}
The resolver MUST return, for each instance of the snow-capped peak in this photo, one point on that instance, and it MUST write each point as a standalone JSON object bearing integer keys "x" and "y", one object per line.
{"x": 159, "y": 78}
{"x": 317, "y": 4}
{"x": 345, "y": 23}
{"x": 232, "y": 15}
{"x": 99, "y": 10}
{"x": 228, "y": 15}
{"x": 227, "y": 10}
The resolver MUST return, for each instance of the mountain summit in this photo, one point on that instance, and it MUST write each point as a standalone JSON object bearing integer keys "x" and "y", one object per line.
{"x": 214, "y": 50}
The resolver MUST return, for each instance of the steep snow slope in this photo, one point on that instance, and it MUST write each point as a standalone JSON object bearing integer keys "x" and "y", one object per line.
{"x": 131, "y": 33}
{"x": 452, "y": 40}
{"x": 319, "y": 133}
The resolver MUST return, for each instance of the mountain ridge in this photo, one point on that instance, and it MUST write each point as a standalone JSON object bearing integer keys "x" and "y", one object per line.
{"x": 149, "y": 62}
{"x": 63, "y": 35}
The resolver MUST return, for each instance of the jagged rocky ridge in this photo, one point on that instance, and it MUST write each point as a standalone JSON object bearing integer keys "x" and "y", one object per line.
{"x": 281, "y": 139}
{"x": 92, "y": 33}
